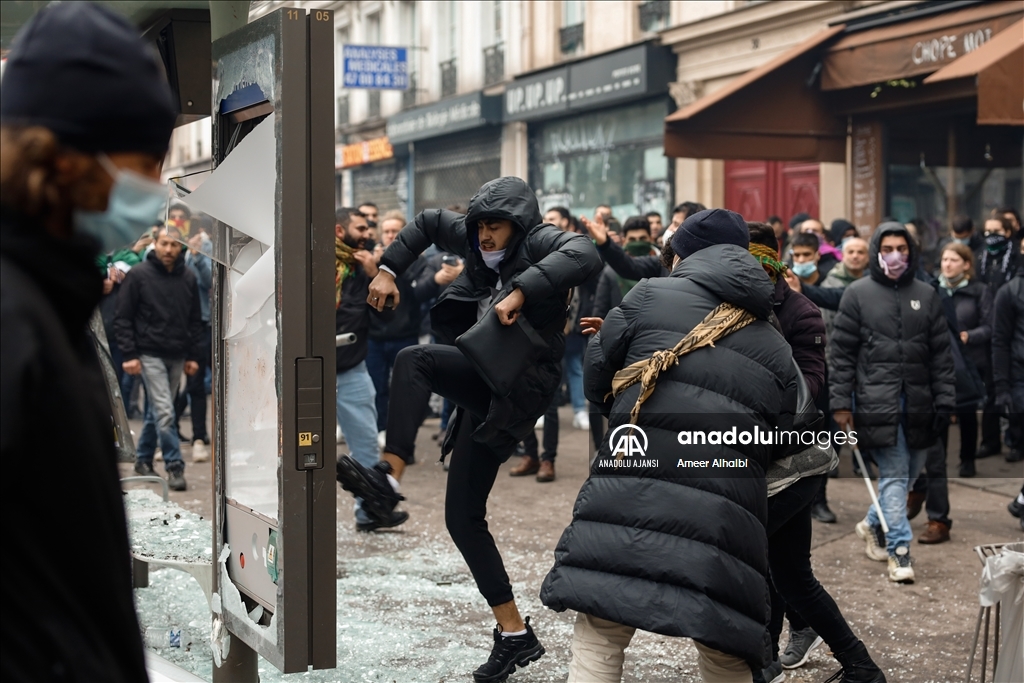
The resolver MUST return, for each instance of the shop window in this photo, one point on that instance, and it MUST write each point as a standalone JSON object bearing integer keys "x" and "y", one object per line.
{"x": 654, "y": 15}
{"x": 570, "y": 35}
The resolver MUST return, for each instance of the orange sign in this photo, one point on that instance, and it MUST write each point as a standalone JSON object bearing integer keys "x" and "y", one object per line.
{"x": 364, "y": 152}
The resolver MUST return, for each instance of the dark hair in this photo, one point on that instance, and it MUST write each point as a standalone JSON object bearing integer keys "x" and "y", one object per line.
{"x": 201, "y": 220}
{"x": 762, "y": 233}
{"x": 772, "y": 220}
{"x": 362, "y": 204}
{"x": 636, "y": 223}
{"x": 613, "y": 224}
{"x": 688, "y": 208}
{"x": 649, "y": 214}
{"x": 603, "y": 206}
{"x": 562, "y": 211}
{"x": 1007, "y": 225}
{"x": 576, "y": 225}
{"x": 805, "y": 239}
{"x": 169, "y": 230}
{"x": 668, "y": 255}
{"x": 962, "y": 224}
{"x": 180, "y": 206}
{"x": 1003, "y": 210}
{"x": 344, "y": 215}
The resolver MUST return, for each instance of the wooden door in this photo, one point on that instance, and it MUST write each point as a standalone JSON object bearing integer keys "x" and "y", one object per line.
{"x": 758, "y": 189}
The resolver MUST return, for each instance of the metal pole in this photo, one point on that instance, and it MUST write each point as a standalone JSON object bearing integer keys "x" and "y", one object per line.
{"x": 410, "y": 174}
{"x": 240, "y": 666}
{"x": 871, "y": 489}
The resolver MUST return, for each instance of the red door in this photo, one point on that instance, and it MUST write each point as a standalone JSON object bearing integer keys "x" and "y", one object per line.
{"x": 758, "y": 189}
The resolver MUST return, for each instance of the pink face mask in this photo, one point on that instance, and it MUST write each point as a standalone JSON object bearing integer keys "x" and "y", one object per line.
{"x": 893, "y": 264}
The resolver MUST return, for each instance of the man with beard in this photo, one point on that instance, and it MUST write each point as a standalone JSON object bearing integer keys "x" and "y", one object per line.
{"x": 356, "y": 407}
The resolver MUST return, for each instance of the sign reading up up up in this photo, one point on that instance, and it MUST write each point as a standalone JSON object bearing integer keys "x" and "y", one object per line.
{"x": 376, "y": 67}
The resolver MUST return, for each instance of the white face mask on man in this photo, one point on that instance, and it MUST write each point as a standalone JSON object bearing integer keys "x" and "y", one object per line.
{"x": 134, "y": 205}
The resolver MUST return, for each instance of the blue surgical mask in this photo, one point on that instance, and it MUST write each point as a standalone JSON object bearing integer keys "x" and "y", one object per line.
{"x": 135, "y": 204}
{"x": 804, "y": 269}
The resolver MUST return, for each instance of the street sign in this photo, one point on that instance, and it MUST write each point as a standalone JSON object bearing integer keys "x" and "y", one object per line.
{"x": 375, "y": 67}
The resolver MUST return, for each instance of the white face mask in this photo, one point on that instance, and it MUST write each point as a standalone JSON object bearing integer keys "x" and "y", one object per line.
{"x": 493, "y": 258}
{"x": 135, "y": 204}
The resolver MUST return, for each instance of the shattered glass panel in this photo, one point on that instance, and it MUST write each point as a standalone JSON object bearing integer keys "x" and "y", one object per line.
{"x": 162, "y": 530}
{"x": 251, "y": 64}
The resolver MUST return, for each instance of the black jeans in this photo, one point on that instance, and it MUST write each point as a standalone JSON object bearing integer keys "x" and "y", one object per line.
{"x": 442, "y": 369}
{"x": 933, "y": 483}
{"x": 195, "y": 392}
{"x": 793, "y": 582}
{"x": 550, "y": 436}
{"x": 968, "y": 421}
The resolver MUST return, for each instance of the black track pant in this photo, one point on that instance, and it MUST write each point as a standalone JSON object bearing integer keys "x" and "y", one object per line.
{"x": 442, "y": 369}
{"x": 793, "y": 582}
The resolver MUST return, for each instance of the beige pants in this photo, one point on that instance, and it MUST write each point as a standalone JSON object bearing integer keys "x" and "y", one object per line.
{"x": 598, "y": 649}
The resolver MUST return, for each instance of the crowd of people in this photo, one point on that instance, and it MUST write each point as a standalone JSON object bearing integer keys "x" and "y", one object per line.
{"x": 711, "y": 321}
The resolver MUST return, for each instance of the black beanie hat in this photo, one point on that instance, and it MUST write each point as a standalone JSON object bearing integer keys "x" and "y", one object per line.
{"x": 797, "y": 219}
{"x": 708, "y": 228}
{"x": 838, "y": 229}
{"x": 84, "y": 72}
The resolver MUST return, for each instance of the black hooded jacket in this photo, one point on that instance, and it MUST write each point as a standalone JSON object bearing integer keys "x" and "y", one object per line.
{"x": 890, "y": 343}
{"x": 683, "y": 551}
{"x": 59, "y": 623}
{"x": 541, "y": 260}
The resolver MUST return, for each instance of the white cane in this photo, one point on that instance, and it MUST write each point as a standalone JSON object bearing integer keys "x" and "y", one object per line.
{"x": 871, "y": 489}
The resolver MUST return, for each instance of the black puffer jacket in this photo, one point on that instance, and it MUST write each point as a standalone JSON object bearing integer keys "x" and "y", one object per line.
{"x": 891, "y": 339}
{"x": 682, "y": 551}
{"x": 541, "y": 260}
{"x": 1008, "y": 335}
{"x": 59, "y": 624}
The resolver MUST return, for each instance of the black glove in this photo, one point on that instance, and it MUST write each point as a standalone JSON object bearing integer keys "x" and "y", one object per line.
{"x": 1004, "y": 402}
{"x": 940, "y": 423}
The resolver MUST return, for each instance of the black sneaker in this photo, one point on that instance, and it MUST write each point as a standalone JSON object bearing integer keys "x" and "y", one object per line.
{"x": 967, "y": 469}
{"x": 144, "y": 469}
{"x": 987, "y": 450}
{"x": 1015, "y": 455}
{"x": 772, "y": 673}
{"x": 801, "y": 645}
{"x": 822, "y": 513}
{"x": 507, "y": 653}
{"x": 1016, "y": 509}
{"x": 370, "y": 484}
{"x": 397, "y": 518}
{"x": 176, "y": 480}
{"x": 857, "y": 668}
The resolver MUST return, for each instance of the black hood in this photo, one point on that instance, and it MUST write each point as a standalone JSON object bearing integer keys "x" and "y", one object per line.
{"x": 877, "y": 274}
{"x": 732, "y": 274}
{"x": 507, "y": 197}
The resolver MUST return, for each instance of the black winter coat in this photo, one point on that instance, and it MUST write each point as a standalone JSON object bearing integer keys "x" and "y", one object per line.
{"x": 159, "y": 313}
{"x": 59, "y": 623}
{"x": 973, "y": 306}
{"x": 541, "y": 260}
{"x": 353, "y": 316}
{"x": 677, "y": 551}
{"x": 1008, "y": 336}
{"x": 891, "y": 340}
{"x": 608, "y": 294}
{"x": 416, "y": 286}
{"x": 804, "y": 329}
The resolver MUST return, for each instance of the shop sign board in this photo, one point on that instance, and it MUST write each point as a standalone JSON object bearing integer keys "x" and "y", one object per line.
{"x": 375, "y": 67}
{"x": 444, "y": 117}
{"x": 365, "y": 152}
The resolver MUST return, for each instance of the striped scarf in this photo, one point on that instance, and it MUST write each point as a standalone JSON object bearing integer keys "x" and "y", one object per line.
{"x": 344, "y": 267}
{"x": 769, "y": 260}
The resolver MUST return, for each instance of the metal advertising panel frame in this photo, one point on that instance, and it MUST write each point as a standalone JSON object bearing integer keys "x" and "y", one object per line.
{"x": 293, "y": 624}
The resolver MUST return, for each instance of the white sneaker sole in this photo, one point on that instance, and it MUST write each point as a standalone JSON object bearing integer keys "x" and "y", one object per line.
{"x": 902, "y": 576}
{"x": 871, "y": 549}
{"x": 807, "y": 655}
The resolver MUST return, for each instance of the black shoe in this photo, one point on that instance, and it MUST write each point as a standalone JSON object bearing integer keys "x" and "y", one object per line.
{"x": 398, "y": 517}
{"x": 176, "y": 480}
{"x": 988, "y": 450}
{"x": 820, "y": 512}
{"x": 507, "y": 653}
{"x": 370, "y": 484}
{"x": 801, "y": 645}
{"x": 772, "y": 673}
{"x": 1016, "y": 509}
{"x": 144, "y": 469}
{"x": 857, "y": 668}
{"x": 1015, "y": 455}
{"x": 967, "y": 469}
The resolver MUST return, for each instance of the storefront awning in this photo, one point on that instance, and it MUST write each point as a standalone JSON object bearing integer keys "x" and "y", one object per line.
{"x": 914, "y": 47}
{"x": 998, "y": 67}
{"x": 773, "y": 112}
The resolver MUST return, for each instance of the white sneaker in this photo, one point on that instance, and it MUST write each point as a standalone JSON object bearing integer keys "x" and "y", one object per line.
{"x": 540, "y": 423}
{"x": 874, "y": 541}
{"x": 200, "y": 452}
{"x": 158, "y": 455}
{"x": 382, "y": 438}
{"x": 581, "y": 420}
{"x": 338, "y": 436}
{"x": 901, "y": 568}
